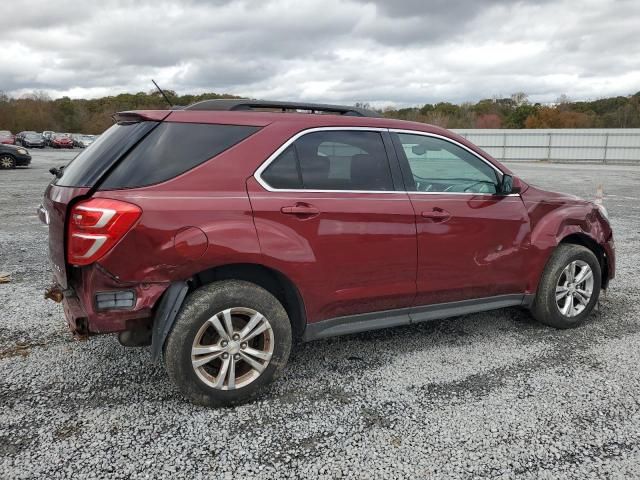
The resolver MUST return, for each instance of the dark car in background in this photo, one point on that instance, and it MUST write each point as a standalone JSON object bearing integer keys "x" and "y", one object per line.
{"x": 6, "y": 137}
{"x": 12, "y": 156}
{"x": 33, "y": 140}
{"x": 20, "y": 136}
{"x": 60, "y": 140}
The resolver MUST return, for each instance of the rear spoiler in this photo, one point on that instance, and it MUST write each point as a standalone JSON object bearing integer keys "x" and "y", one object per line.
{"x": 135, "y": 116}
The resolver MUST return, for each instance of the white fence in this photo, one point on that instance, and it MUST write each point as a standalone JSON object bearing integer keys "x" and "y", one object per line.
{"x": 593, "y": 145}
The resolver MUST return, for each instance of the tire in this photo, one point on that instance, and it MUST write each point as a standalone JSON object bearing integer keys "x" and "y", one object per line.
{"x": 193, "y": 329}
{"x": 7, "y": 161}
{"x": 556, "y": 280}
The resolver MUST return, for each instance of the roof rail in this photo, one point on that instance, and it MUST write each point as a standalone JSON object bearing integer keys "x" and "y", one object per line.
{"x": 245, "y": 104}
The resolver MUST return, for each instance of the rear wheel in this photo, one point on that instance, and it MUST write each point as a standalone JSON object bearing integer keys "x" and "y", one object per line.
{"x": 569, "y": 287}
{"x": 231, "y": 338}
{"x": 7, "y": 161}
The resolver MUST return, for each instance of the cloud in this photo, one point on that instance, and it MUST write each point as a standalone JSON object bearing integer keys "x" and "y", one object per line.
{"x": 401, "y": 53}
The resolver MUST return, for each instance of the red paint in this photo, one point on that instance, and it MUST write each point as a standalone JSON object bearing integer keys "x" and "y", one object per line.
{"x": 347, "y": 253}
{"x": 7, "y": 138}
{"x": 478, "y": 250}
{"x": 61, "y": 141}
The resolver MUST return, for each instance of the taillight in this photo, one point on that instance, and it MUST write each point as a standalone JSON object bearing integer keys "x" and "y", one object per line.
{"x": 95, "y": 226}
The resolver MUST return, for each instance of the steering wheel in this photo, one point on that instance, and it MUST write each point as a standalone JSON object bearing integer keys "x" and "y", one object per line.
{"x": 481, "y": 190}
{"x": 420, "y": 187}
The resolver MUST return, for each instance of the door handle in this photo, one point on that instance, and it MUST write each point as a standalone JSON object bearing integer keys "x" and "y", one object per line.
{"x": 438, "y": 215}
{"x": 301, "y": 210}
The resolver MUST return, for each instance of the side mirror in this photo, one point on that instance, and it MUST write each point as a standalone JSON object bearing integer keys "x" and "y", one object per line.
{"x": 506, "y": 186}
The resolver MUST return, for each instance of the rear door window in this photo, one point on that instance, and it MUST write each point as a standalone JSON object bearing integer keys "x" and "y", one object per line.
{"x": 171, "y": 149}
{"x": 283, "y": 172}
{"x": 332, "y": 160}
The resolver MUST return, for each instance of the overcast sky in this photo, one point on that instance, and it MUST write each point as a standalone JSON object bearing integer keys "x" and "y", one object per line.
{"x": 386, "y": 52}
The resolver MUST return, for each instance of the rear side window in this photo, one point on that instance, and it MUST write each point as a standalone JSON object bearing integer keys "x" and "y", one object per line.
{"x": 90, "y": 165}
{"x": 332, "y": 160}
{"x": 283, "y": 173}
{"x": 172, "y": 149}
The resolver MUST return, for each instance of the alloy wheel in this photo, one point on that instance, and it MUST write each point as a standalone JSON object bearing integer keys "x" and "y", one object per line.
{"x": 6, "y": 162}
{"x": 232, "y": 348}
{"x": 574, "y": 288}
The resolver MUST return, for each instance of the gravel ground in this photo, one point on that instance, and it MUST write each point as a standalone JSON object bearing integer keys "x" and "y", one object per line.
{"x": 486, "y": 395}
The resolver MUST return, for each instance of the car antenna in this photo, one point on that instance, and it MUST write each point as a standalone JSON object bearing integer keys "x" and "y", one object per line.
{"x": 163, "y": 94}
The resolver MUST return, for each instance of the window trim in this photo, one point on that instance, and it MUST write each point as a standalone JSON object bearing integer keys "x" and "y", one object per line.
{"x": 258, "y": 174}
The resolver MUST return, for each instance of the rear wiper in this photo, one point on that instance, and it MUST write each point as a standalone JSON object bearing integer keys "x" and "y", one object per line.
{"x": 56, "y": 171}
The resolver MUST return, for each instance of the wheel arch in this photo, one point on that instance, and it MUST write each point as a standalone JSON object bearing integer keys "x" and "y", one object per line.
{"x": 580, "y": 238}
{"x": 274, "y": 281}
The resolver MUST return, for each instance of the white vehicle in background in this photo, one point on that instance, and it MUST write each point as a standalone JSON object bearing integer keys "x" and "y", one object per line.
{"x": 83, "y": 141}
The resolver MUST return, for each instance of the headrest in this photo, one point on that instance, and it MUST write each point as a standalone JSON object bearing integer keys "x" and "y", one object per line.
{"x": 370, "y": 172}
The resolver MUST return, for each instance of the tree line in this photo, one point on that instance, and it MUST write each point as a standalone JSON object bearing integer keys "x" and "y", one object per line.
{"x": 517, "y": 111}
{"x": 39, "y": 112}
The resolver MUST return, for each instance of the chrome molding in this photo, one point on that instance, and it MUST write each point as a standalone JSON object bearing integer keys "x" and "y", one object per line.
{"x": 283, "y": 147}
{"x": 258, "y": 173}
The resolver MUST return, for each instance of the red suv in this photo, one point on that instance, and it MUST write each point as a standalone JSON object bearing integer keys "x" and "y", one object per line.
{"x": 223, "y": 232}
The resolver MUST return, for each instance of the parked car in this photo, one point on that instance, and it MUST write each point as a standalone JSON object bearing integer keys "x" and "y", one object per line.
{"x": 7, "y": 138}
{"x": 20, "y": 136}
{"x": 12, "y": 156}
{"x": 60, "y": 140}
{"x": 83, "y": 141}
{"x": 219, "y": 234}
{"x": 33, "y": 140}
{"x": 48, "y": 135}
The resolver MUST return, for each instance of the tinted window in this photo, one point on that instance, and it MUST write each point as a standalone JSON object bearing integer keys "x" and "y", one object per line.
{"x": 440, "y": 166}
{"x": 91, "y": 164}
{"x": 172, "y": 149}
{"x": 333, "y": 160}
{"x": 283, "y": 171}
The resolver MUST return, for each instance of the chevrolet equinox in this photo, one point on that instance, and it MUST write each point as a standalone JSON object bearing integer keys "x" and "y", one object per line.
{"x": 223, "y": 232}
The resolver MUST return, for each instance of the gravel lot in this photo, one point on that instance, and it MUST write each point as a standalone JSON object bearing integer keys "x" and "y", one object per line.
{"x": 487, "y": 395}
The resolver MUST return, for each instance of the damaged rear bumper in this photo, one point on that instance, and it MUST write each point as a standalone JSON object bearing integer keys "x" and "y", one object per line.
{"x": 81, "y": 310}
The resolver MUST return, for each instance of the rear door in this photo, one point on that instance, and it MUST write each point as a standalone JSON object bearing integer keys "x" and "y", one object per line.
{"x": 472, "y": 241}
{"x": 331, "y": 212}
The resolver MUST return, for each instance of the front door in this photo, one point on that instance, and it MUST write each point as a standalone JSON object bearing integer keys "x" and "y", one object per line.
{"x": 329, "y": 215}
{"x": 472, "y": 241}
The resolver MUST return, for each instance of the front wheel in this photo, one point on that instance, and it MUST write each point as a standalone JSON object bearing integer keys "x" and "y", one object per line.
{"x": 7, "y": 161}
{"x": 231, "y": 339}
{"x": 569, "y": 287}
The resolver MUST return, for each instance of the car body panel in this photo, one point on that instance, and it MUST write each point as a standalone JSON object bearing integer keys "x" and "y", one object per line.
{"x": 479, "y": 251}
{"x": 357, "y": 255}
{"x": 555, "y": 216}
{"x": 56, "y": 203}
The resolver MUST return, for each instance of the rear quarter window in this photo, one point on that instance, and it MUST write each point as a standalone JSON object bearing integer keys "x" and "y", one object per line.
{"x": 170, "y": 150}
{"x": 90, "y": 166}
